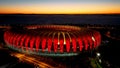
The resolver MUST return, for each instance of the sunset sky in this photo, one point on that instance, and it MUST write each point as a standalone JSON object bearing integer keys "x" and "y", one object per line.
{"x": 60, "y": 6}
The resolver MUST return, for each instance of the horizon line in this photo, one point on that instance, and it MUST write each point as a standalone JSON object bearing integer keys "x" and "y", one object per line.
{"x": 57, "y": 13}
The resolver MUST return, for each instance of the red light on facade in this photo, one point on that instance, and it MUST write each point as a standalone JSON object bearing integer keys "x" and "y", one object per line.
{"x": 27, "y": 42}
{"x": 61, "y": 44}
{"x": 80, "y": 44}
{"x": 32, "y": 40}
{"x": 22, "y": 41}
{"x": 85, "y": 43}
{"x": 11, "y": 39}
{"x": 74, "y": 44}
{"x": 37, "y": 43}
{"x": 43, "y": 44}
{"x": 14, "y": 39}
{"x": 49, "y": 44}
{"x": 67, "y": 44}
{"x": 18, "y": 41}
{"x": 90, "y": 41}
{"x": 53, "y": 38}
{"x": 55, "y": 44}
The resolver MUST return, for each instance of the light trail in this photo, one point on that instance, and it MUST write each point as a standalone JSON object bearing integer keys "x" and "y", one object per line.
{"x": 35, "y": 60}
{"x": 31, "y": 60}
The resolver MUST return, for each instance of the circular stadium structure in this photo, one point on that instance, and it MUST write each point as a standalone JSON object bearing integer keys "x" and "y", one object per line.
{"x": 52, "y": 40}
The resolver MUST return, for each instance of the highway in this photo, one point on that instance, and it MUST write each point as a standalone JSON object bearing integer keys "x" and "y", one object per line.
{"x": 31, "y": 60}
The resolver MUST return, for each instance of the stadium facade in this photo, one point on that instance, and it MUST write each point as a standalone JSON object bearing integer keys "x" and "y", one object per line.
{"x": 52, "y": 40}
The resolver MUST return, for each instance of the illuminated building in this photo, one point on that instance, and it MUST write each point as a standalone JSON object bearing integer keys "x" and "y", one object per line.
{"x": 52, "y": 40}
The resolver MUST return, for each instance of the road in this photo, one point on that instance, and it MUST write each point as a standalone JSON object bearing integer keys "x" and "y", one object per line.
{"x": 32, "y": 60}
{"x": 28, "y": 59}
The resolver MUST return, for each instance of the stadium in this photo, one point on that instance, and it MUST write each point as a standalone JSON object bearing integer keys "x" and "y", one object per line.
{"x": 52, "y": 40}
